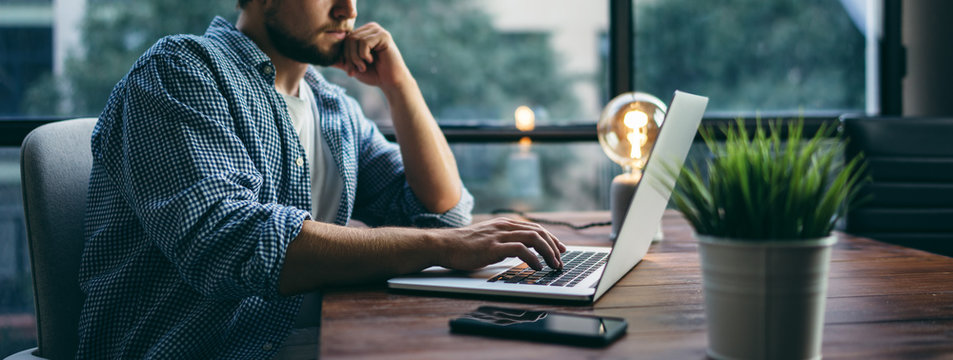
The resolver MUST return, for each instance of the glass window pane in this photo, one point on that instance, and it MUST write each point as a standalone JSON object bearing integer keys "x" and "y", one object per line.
{"x": 537, "y": 176}
{"x": 84, "y": 48}
{"x": 477, "y": 61}
{"x": 17, "y": 322}
{"x": 755, "y": 55}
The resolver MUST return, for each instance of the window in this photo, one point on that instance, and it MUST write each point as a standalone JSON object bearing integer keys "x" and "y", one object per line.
{"x": 477, "y": 61}
{"x": 778, "y": 56}
{"x": 26, "y": 56}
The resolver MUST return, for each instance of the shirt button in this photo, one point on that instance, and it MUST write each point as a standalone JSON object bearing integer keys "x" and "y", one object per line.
{"x": 299, "y": 162}
{"x": 266, "y": 347}
{"x": 268, "y": 70}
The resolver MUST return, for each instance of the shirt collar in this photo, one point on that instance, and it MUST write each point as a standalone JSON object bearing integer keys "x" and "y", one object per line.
{"x": 317, "y": 81}
{"x": 247, "y": 50}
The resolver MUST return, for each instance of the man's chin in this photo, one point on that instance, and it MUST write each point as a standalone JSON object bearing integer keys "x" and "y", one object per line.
{"x": 324, "y": 57}
{"x": 327, "y": 61}
{"x": 314, "y": 57}
{"x": 306, "y": 53}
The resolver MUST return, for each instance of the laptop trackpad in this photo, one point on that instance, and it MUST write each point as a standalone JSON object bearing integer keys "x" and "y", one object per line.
{"x": 482, "y": 273}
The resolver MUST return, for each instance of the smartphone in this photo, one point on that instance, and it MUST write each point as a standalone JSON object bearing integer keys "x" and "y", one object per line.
{"x": 547, "y": 326}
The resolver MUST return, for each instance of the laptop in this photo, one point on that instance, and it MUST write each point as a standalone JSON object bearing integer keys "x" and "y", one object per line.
{"x": 588, "y": 272}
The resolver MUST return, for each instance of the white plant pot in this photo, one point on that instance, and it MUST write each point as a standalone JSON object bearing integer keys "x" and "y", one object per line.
{"x": 765, "y": 299}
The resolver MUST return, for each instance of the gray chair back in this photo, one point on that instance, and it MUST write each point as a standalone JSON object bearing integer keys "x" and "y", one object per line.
{"x": 55, "y": 163}
{"x": 910, "y": 163}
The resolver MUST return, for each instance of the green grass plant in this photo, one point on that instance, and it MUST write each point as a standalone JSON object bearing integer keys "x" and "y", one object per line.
{"x": 768, "y": 187}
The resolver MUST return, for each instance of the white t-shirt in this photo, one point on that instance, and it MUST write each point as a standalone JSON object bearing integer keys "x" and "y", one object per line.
{"x": 327, "y": 186}
{"x": 326, "y": 182}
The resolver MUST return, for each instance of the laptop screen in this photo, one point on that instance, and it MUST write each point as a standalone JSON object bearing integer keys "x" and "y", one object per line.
{"x": 649, "y": 202}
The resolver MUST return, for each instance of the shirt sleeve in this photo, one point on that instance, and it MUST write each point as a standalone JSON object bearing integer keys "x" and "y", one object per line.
{"x": 179, "y": 163}
{"x": 383, "y": 195}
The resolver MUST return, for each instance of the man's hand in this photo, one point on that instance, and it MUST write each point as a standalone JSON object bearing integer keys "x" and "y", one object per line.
{"x": 491, "y": 241}
{"x": 327, "y": 255}
{"x": 371, "y": 56}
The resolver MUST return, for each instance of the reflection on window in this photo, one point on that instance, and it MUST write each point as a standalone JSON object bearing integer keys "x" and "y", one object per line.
{"x": 536, "y": 176}
{"x": 750, "y": 55}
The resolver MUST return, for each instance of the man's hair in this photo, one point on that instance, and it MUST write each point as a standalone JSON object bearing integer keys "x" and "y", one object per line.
{"x": 242, "y": 3}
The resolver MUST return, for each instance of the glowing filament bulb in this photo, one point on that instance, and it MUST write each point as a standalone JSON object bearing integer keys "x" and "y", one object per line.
{"x": 638, "y": 134}
{"x": 525, "y": 118}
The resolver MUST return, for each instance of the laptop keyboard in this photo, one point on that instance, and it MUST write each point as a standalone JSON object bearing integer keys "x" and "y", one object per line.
{"x": 576, "y": 266}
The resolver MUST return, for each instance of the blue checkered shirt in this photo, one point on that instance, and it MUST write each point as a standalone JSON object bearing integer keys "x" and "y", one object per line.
{"x": 198, "y": 185}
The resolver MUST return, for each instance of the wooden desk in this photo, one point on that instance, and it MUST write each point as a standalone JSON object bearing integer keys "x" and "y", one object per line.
{"x": 884, "y": 301}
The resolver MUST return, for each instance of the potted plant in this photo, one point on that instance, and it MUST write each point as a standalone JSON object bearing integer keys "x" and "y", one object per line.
{"x": 763, "y": 207}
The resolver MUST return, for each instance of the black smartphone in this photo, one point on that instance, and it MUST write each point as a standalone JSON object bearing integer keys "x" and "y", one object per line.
{"x": 548, "y": 326}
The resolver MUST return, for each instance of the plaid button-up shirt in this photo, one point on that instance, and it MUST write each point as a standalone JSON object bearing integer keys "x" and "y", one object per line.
{"x": 197, "y": 188}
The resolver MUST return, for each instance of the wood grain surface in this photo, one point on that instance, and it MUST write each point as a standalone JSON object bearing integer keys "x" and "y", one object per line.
{"x": 884, "y": 302}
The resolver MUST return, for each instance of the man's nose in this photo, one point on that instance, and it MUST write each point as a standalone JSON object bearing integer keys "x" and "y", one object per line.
{"x": 344, "y": 9}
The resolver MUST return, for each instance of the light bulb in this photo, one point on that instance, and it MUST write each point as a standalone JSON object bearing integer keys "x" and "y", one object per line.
{"x": 525, "y": 118}
{"x": 638, "y": 136}
{"x": 628, "y": 128}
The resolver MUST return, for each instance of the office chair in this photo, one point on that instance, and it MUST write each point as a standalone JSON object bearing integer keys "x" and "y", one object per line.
{"x": 911, "y": 193}
{"x": 55, "y": 162}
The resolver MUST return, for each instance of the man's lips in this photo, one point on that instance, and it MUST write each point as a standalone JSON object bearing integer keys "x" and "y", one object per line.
{"x": 340, "y": 35}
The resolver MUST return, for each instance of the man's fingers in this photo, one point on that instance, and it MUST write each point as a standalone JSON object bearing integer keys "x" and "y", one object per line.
{"x": 369, "y": 39}
{"x": 351, "y": 54}
{"x": 363, "y": 42}
{"x": 351, "y": 50}
{"x": 521, "y": 251}
{"x": 552, "y": 245}
{"x": 557, "y": 246}
{"x": 530, "y": 238}
{"x": 502, "y": 238}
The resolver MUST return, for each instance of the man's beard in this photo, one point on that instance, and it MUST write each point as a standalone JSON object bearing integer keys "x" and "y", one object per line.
{"x": 297, "y": 49}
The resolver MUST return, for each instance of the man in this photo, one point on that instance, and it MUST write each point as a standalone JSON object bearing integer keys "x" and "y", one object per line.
{"x": 224, "y": 168}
